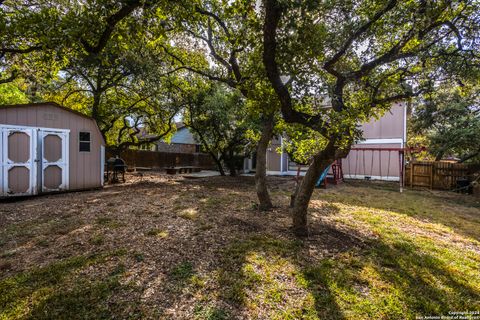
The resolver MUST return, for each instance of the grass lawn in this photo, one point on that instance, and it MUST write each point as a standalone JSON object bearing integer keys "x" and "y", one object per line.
{"x": 173, "y": 248}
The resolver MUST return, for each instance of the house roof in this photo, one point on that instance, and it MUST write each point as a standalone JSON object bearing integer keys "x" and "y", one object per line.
{"x": 144, "y": 134}
{"x": 179, "y": 125}
{"x": 183, "y": 136}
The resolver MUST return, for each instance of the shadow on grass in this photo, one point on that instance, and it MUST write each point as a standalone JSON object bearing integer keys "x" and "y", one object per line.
{"x": 241, "y": 183}
{"x": 459, "y": 212}
{"x": 427, "y": 284}
{"x": 57, "y": 291}
{"x": 22, "y": 232}
{"x": 274, "y": 278}
{"x": 255, "y": 276}
{"x": 391, "y": 189}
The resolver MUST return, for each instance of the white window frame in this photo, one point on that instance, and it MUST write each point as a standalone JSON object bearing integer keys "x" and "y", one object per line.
{"x": 89, "y": 141}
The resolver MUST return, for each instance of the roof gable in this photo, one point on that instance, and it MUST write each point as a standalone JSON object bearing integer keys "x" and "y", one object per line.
{"x": 54, "y": 105}
{"x": 183, "y": 136}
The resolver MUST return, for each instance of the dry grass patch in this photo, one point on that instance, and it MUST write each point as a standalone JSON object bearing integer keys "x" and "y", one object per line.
{"x": 157, "y": 233}
{"x": 188, "y": 214}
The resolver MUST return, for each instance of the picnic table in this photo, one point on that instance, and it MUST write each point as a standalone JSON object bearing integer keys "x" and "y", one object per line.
{"x": 142, "y": 169}
{"x": 182, "y": 169}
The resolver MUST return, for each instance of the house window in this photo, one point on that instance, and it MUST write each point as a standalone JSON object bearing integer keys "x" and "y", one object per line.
{"x": 84, "y": 141}
{"x": 197, "y": 148}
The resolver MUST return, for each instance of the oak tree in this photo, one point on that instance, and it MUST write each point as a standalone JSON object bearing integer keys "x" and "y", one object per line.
{"x": 360, "y": 56}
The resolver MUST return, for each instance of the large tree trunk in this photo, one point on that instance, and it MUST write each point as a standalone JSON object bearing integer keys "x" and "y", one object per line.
{"x": 305, "y": 190}
{"x": 218, "y": 162}
{"x": 231, "y": 163}
{"x": 232, "y": 170}
{"x": 95, "y": 106}
{"x": 265, "y": 203}
{"x": 439, "y": 155}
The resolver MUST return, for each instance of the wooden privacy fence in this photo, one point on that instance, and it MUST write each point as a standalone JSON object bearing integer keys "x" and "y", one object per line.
{"x": 435, "y": 174}
{"x": 160, "y": 160}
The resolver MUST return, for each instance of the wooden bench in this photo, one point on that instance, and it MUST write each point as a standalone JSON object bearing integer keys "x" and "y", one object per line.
{"x": 138, "y": 169}
{"x": 184, "y": 169}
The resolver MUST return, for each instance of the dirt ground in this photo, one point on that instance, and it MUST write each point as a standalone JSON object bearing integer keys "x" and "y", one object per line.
{"x": 163, "y": 247}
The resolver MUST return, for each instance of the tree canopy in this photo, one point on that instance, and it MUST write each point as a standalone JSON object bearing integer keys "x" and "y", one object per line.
{"x": 217, "y": 117}
{"x": 112, "y": 72}
{"x": 449, "y": 118}
{"x": 360, "y": 57}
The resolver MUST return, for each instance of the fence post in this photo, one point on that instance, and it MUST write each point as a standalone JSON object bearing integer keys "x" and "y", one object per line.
{"x": 412, "y": 167}
{"x": 432, "y": 170}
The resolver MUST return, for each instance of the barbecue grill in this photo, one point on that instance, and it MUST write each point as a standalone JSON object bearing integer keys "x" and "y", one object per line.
{"x": 115, "y": 167}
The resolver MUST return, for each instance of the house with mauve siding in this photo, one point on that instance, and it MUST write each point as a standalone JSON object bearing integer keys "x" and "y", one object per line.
{"x": 380, "y": 160}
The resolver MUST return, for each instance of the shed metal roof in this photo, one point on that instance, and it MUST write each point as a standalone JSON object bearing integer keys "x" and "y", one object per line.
{"x": 53, "y": 104}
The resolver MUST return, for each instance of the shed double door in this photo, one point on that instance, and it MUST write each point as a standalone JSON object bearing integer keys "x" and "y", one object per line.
{"x": 33, "y": 160}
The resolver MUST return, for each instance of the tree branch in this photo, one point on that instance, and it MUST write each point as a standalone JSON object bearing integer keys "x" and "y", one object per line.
{"x": 20, "y": 51}
{"x": 273, "y": 14}
{"x": 111, "y": 21}
{"x": 361, "y": 30}
{"x": 132, "y": 135}
{"x": 207, "y": 75}
{"x": 397, "y": 97}
{"x": 216, "y": 18}
{"x": 231, "y": 65}
{"x": 469, "y": 156}
{"x": 12, "y": 77}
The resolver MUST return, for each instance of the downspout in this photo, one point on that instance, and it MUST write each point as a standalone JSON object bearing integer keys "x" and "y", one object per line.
{"x": 266, "y": 160}
{"x": 404, "y": 143}
{"x": 405, "y": 123}
{"x": 281, "y": 156}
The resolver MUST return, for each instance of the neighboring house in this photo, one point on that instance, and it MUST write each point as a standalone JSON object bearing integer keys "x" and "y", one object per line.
{"x": 381, "y": 159}
{"x": 182, "y": 141}
{"x": 45, "y": 147}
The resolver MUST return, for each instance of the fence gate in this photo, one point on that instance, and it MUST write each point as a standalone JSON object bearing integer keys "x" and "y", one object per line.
{"x": 54, "y": 160}
{"x": 435, "y": 174}
{"x": 18, "y": 153}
